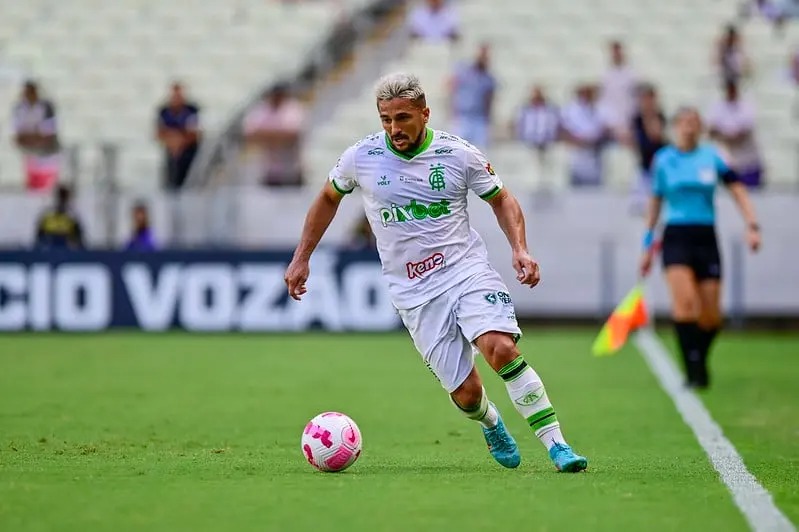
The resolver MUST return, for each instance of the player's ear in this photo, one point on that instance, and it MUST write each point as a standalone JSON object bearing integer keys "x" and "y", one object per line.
{"x": 426, "y": 114}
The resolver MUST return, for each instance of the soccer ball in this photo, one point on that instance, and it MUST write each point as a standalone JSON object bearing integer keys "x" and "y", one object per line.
{"x": 331, "y": 442}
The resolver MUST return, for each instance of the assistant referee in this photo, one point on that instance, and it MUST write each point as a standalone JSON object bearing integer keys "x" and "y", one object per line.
{"x": 686, "y": 175}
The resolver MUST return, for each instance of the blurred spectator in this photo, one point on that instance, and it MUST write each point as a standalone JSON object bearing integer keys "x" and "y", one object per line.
{"x": 731, "y": 59}
{"x": 789, "y": 8}
{"x": 142, "y": 236}
{"x": 434, "y": 21}
{"x": 362, "y": 239}
{"x": 274, "y": 128}
{"x": 587, "y": 133}
{"x": 179, "y": 132}
{"x": 538, "y": 126}
{"x": 617, "y": 101}
{"x": 36, "y": 134}
{"x": 58, "y": 227}
{"x": 732, "y": 121}
{"x": 649, "y": 135}
{"x": 471, "y": 99}
{"x": 768, "y": 9}
{"x": 794, "y": 67}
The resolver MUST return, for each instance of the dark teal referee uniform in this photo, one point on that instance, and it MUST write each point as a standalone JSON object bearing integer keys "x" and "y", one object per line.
{"x": 686, "y": 182}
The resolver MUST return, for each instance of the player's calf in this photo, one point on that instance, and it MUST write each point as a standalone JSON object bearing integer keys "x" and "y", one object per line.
{"x": 529, "y": 396}
{"x": 471, "y": 400}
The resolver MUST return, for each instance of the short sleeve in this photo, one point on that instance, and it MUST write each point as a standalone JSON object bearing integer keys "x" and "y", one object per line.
{"x": 48, "y": 125}
{"x": 343, "y": 176}
{"x": 193, "y": 120}
{"x": 726, "y": 174}
{"x": 17, "y": 121}
{"x": 659, "y": 178}
{"x": 160, "y": 119}
{"x": 480, "y": 176}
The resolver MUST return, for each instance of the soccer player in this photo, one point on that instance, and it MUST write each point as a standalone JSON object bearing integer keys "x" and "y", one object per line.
{"x": 415, "y": 181}
{"x": 686, "y": 175}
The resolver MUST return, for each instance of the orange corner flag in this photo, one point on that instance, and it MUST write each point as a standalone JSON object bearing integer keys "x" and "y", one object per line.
{"x": 629, "y": 315}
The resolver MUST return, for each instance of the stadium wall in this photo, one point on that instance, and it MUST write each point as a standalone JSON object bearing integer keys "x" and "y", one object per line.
{"x": 587, "y": 244}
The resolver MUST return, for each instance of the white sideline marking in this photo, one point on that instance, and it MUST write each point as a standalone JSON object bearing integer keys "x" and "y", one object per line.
{"x": 754, "y": 501}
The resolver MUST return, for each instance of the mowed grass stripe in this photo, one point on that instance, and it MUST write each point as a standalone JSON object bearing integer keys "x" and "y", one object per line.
{"x": 177, "y": 432}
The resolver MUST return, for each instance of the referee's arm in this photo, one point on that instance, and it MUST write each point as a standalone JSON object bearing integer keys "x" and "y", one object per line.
{"x": 741, "y": 197}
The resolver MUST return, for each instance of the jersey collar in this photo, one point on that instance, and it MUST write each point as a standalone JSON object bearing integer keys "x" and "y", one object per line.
{"x": 428, "y": 140}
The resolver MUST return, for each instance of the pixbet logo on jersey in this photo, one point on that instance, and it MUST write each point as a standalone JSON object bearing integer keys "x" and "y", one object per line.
{"x": 414, "y": 210}
{"x": 418, "y": 269}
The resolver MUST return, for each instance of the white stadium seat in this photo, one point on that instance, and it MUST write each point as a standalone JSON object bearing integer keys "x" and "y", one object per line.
{"x": 559, "y": 44}
{"x": 106, "y": 65}
{"x": 92, "y": 55}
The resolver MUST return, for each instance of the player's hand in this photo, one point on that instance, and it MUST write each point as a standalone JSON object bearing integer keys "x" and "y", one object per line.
{"x": 646, "y": 263}
{"x": 753, "y": 239}
{"x": 296, "y": 276}
{"x": 527, "y": 271}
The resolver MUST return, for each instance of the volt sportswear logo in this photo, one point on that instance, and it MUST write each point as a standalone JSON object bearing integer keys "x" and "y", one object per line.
{"x": 413, "y": 211}
{"x": 384, "y": 181}
{"x": 418, "y": 269}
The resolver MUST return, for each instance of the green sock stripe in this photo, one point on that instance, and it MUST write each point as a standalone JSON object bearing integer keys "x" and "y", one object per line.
{"x": 511, "y": 367}
{"x": 542, "y": 418}
{"x": 478, "y": 412}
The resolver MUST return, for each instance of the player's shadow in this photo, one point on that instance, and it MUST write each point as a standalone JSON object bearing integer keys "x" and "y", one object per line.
{"x": 423, "y": 468}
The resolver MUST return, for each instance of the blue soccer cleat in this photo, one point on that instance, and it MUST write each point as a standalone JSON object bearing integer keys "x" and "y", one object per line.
{"x": 501, "y": 445}
{"x": 565, "y": 459}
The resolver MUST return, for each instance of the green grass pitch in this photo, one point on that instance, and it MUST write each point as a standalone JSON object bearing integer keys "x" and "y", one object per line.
{"x": 201, "y": 432}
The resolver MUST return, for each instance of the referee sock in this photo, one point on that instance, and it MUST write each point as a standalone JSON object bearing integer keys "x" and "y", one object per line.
{"x": 484, "y": 413}
{"x": 688, "y": 336}
{"x": 706, "y": 337}
{"x": 531, "y": 401}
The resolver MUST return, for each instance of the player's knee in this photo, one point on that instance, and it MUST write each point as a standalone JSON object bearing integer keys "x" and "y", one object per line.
{"x": 500, "y": 349}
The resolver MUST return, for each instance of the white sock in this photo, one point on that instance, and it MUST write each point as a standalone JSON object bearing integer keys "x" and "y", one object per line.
{"x": 530, "y": 399}
{"x": 486, "y": 413}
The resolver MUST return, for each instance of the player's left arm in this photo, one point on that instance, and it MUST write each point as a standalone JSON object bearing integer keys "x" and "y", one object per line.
{"x": 481, "y": 178}
{"x": 741, "y": 197}
{"x": 511, "y": 219}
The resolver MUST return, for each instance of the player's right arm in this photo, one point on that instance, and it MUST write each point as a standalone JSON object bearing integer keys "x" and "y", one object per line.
{"x": 323, "y": 209}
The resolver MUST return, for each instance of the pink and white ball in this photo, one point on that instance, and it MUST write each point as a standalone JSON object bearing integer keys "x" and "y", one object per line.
{"x": 331, "y": 442}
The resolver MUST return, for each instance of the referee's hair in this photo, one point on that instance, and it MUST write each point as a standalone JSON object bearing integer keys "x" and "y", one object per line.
{"x": 684, "y": 110}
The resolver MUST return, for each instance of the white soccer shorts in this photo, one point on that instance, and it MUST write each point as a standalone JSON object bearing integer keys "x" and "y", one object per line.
{"x": 444, "y": 328}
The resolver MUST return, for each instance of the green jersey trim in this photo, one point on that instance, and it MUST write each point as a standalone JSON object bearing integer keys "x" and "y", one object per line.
{"x": 428, "y": 140}
{"x": 339, "y": 189}
{"x": 491, "y": 193}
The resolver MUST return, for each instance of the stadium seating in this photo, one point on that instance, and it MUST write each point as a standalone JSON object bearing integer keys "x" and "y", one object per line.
{"x": 561, "y": 43}
{"x": 107, "y": 65}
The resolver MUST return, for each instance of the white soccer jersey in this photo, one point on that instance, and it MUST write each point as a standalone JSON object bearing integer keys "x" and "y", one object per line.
{"x": 416, "y": 206}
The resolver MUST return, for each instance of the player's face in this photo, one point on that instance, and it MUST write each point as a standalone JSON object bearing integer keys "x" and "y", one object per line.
{"x": 404, "y": 122}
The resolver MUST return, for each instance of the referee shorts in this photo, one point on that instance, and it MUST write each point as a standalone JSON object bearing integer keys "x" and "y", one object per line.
{"x": 694, "y": 246}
